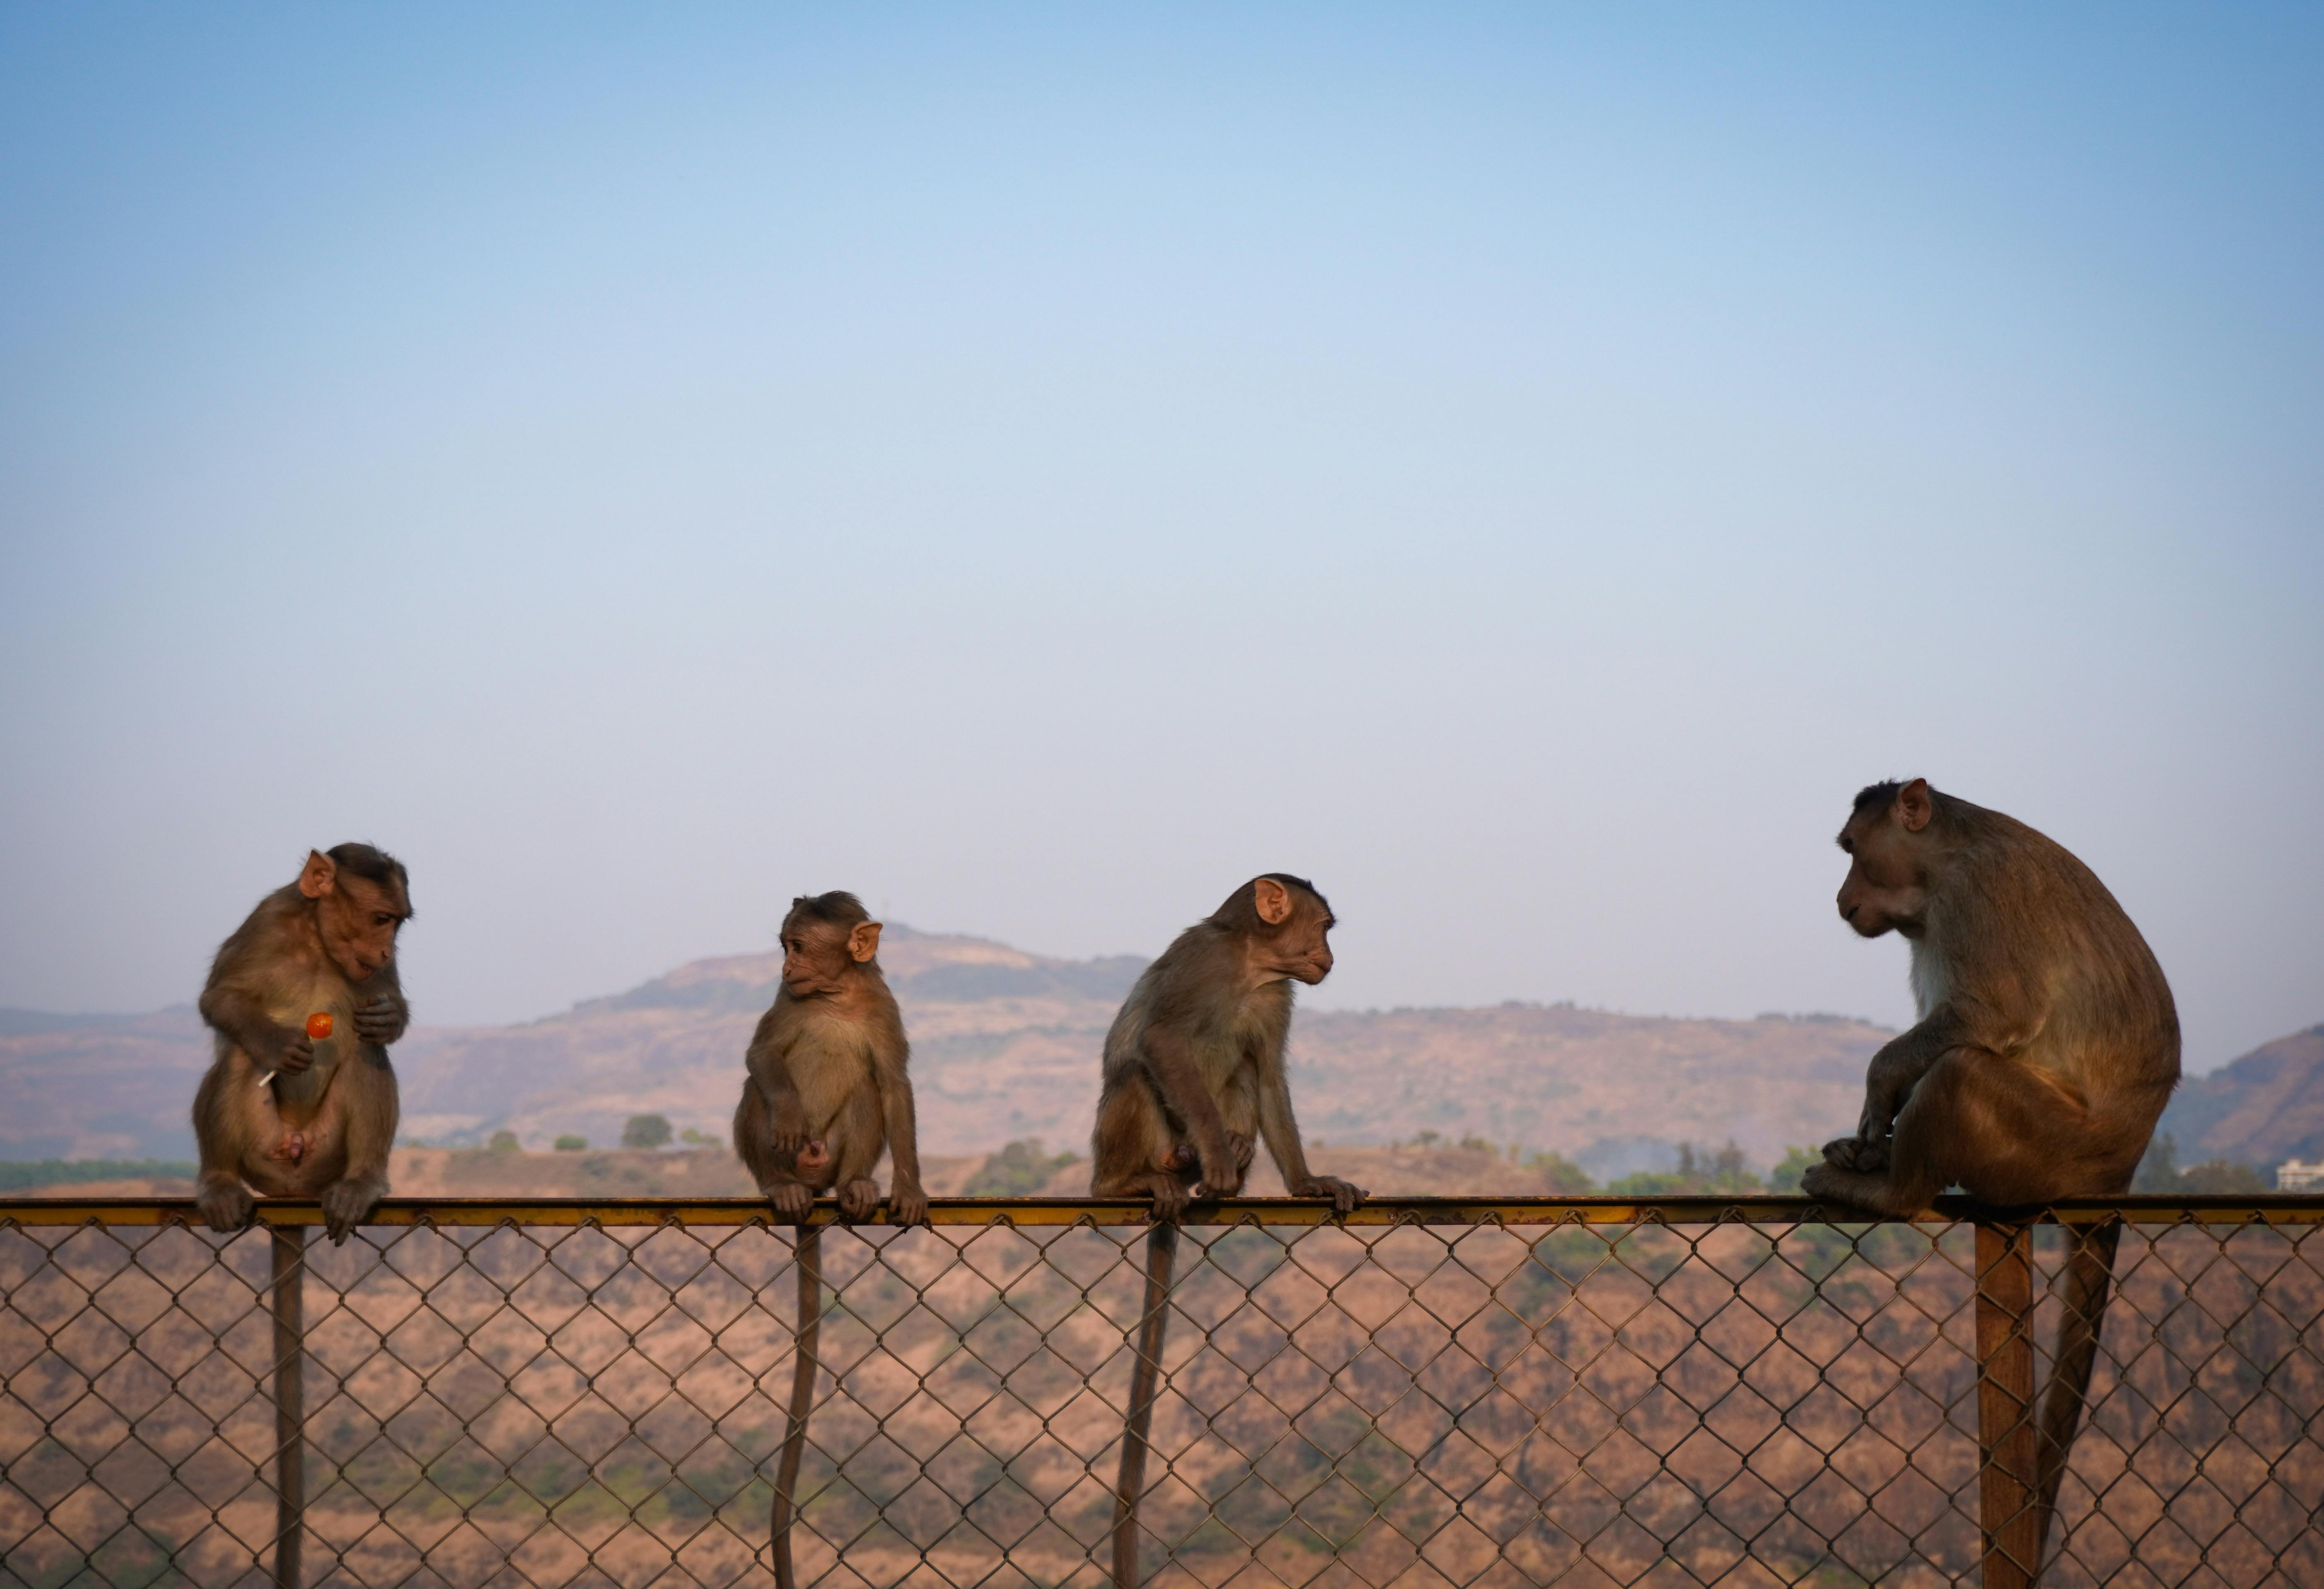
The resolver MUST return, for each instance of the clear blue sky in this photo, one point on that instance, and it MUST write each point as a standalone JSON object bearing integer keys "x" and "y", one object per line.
{"x": 1525, "y": 467}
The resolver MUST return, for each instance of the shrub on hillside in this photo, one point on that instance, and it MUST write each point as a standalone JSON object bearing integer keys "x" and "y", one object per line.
{"x": 645, "y": 1131}
{"x": 1017, "y": 1171}
{"x": 572, "y": 1144}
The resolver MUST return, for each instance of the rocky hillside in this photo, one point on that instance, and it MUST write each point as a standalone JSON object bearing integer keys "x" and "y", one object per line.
{"x": 1005, "y": 1046}
{"x": 2261, "y": 1109}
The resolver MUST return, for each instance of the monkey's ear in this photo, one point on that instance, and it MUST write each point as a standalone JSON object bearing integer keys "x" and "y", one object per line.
{"x": 1913, "y": 805}
{"x": 1273, "y": 900}
{"x": 863, "y": 942}
{"x": 316, "y": 878}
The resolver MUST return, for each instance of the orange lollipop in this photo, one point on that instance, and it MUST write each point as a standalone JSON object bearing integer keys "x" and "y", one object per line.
{"x": 319, "y": 1024}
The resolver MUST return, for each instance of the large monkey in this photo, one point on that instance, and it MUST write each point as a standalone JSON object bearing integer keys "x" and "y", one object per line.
{"x": 1193, "y": 1073}
{"x": 826, "y": 1093}
{"x": 2046, "y": 1047}
{"x": 300, "y": 1101}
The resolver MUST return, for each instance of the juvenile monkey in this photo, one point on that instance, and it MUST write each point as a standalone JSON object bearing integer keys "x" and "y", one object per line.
{"x": 2046, "y": 1047}
{"x": 1194, "y": 1075}
{"x": 295, "y": 1105}
{"x": 1194, "y": 1063}
{"x": 827, "y": 1092}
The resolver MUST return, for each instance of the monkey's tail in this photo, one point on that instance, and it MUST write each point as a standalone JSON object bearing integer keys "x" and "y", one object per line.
{"x": 1161, "y": 1252}
{"x": 808, "y": 1254}
{"x": 2089, "y": 1278}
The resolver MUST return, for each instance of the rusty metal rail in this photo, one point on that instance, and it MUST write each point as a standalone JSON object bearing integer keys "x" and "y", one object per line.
{"x": 1430, "y": 1392}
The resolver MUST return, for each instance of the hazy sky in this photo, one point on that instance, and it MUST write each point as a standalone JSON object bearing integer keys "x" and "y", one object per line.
{"x": 1523, "y": 467}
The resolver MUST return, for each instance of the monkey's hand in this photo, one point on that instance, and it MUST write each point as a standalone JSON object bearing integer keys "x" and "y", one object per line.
{"x": 288, "y": 1051}
{"x": 345, "y": 1204}
{"x": 226, "y": 1205}
{"x": 381, "y": 1018}
{"x": 791, "y": 1201}
{"x": 908, "y": 1204}
{"x": 858, "y": 1199}
{"x": 1856, "y": 1155}
{"x": 1223, "y": 1172}
{"x": 787, "y": 1130}
{"x": 1344, "y": 1195}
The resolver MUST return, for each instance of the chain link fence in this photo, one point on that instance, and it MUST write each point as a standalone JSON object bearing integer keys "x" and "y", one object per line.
{"x": 1432, "y": 1394}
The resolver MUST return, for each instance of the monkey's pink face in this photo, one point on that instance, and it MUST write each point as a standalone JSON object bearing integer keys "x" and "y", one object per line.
{"x": 1885, "y": 886}
{"x": 359, "y": 920}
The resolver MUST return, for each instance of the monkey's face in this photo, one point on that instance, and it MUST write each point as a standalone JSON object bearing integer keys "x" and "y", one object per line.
{"x": 359, "y": 920}
{"x": 820, "y": 957}
{"x": 1302, "y": 950}
{"x": 1886, "y": 885}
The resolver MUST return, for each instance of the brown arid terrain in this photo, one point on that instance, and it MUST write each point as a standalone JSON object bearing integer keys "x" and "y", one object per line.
{"x": 2263, "y": 1108}
{"x": 1005, "y": 1047}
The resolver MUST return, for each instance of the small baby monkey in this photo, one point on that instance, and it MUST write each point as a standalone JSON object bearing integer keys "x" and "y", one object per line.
{"x": 828, "y": 1090}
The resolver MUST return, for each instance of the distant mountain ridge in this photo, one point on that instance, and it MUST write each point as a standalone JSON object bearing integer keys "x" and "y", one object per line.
{"x": 1006, "y": 1044}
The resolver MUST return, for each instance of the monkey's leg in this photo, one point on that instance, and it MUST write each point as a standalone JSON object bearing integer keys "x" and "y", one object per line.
{"x": 234, "y": 1125}
{"x": 1136, "y": 1153}
{"x": 1988, "y": 1122}
{"x": 855, "y": 1137}
{"x": 807, "y": 1253}
{"x": 356, "y": 1126}
{"x": 776, "y": 1174}
{"x": 1129, "y": 1483}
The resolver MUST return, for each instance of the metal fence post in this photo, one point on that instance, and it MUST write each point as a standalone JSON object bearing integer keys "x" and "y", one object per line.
{"x": 289, "y": 1253}
{"x": 2007, "y": 1520}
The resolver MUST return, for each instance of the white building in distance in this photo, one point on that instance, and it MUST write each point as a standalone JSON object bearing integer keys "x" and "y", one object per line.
{"x": 2291, "y": 1175}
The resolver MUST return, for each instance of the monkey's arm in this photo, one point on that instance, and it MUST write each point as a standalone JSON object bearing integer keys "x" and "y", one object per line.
{"x": 1281, "y": 1129}
{"x": 905, "y": 1194}
{"x": 1171, "y": 1062}
{"x": 381, "y": 1012}
{"x": 786, "y": 1110}
{"x": 230, "y": 1006}
{"x": 1889, "y": 1080}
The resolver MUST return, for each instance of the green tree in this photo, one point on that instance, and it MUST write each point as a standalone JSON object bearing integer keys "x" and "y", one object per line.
{"x": 645, "y": 1131}
{"x": 2221, "y": 1177}
{"x": 572, "y": 1144}
{"x": 2158, "y": 1172}
{"x": 1560, "y": 1177}
{"x": 1786, "y": 1176}
{"x": 1017, "y": 1171}
{"x": 503, "y": 1142}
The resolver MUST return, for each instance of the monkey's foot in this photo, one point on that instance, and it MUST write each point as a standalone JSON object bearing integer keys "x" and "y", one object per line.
{"x": 858, "y": 1199}
{"x": 226, "y": 1206}
{"x": 1829, "y": 1183}
{"x": 790, "y": 1202}
{"x": 1856, "y": 1156}
{"x": 345, "y": 1204}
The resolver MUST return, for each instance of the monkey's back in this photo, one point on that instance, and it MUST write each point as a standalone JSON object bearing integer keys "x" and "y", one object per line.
{"x": 2097, "y": 1009}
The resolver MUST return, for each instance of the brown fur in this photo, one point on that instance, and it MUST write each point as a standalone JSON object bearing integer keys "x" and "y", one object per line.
{"x": 1194, "y": 1075}
{"x": 1194, "y": 1062}
{"x": 2046, "y": 1047}
{"x": 828, "y": 1089}
{"x": 826, "y": 1093}
{"x": 323, "y": 1126}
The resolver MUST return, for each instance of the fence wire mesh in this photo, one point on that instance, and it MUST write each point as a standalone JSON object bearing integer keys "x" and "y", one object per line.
{"x": 1436, "y": 1395}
